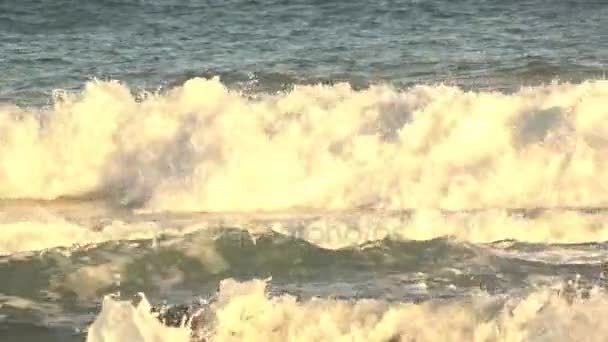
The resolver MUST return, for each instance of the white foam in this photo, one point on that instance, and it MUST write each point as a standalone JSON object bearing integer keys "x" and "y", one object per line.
{"x": 316, "y": 149}
{"x": 244, "y": 312}
{"x": 120, "y": 321}
{"x": 43, "y": 228}
{"x": 479, "y": 227}
{"x": 201, "y": 147}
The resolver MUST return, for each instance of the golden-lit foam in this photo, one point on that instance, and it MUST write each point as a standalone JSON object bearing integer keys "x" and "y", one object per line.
{"x": 244, "y": 312}
{"x": 201, "y": 147}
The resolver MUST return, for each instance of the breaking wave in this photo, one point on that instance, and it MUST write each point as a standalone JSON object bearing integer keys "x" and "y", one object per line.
{"x": 202, "y": 147}
{"x": 245, "y": 312}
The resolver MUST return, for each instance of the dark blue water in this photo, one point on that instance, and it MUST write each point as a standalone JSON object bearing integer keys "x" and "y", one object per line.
{"x": 268, "y": 45}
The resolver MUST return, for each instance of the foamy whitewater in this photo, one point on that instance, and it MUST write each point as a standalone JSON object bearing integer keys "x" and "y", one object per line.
{"x": 202, "y": 148}
{"x": 245, "y": 313}
{"x": 361, "y": 171}
{"x": 340, "y": 169}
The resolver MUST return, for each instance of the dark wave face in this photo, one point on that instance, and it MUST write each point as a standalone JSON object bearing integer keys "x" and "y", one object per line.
{"x": 184, "y": 274}
{"x": 267, "y": 45}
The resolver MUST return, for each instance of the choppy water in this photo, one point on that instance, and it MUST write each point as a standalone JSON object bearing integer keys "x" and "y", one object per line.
{"x": 269, "y": 45}
{"x": 303, "y": 170}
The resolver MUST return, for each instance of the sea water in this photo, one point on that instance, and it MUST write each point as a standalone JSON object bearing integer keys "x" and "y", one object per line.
{"x": 270, "y": 170}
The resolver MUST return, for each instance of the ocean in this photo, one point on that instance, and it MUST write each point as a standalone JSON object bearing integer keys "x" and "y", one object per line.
{"x": 305, "y": 170}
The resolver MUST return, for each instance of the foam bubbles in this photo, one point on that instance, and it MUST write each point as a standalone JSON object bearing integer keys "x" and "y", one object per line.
{"x": 121, "y": 321}
{"x": 244, "y": 312}
{"x": 201, "y": 147}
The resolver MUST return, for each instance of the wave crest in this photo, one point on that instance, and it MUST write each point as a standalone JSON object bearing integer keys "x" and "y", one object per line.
{"x": 244, "y": 312}
{"x": 202, "y": 147}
